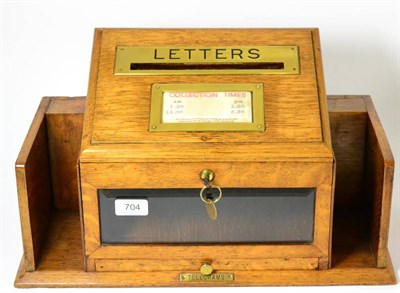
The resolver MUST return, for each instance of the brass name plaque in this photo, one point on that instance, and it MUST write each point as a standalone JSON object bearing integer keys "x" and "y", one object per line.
{"x": 194, "y": 60}
{"x": 198, "y": 277}
{"x": 207, "y": 107}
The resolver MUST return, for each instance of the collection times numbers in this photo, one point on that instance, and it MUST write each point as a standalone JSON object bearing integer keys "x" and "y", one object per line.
{"x": 207, "y": 107}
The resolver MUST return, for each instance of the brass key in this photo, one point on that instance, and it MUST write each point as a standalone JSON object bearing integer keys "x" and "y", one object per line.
{"x": 211, "y": 209}
{"x": 210, "y": 203}
{"x": 206, "y": 176}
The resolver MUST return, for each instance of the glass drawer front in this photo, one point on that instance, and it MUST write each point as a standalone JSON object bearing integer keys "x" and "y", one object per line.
{"x": 245, "y": 215}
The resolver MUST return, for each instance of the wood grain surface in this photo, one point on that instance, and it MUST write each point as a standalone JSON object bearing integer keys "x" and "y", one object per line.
{"x": 379, "y": 176}
{"x": 118, "y": 151}
{"x": 64, "y": 129}
{"x": 352, "y": 259}
{"x": 348, "y": 123}
{"x": 34, "y": 187}
{"x": 118, "y": 106}
{"x": 122, "y": 103}
{"x": 353, "y": 263}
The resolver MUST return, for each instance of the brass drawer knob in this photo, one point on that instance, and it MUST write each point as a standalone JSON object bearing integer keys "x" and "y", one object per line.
{"x": 206, "y": 269}
{"x": 207, "y": 175}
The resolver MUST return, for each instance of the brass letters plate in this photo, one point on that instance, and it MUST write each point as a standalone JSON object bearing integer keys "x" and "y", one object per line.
{"x": 207, "y": 60}
{"x": 207, "y": 107}
{"x": 198, "y": 277}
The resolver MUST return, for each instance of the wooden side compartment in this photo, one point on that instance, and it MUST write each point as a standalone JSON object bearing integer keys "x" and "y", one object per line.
{"x": 50, "y": 220}
{"x": 34, "y": 187}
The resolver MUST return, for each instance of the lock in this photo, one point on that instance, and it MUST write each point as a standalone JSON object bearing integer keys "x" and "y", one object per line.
{"x": 207, "y": 175}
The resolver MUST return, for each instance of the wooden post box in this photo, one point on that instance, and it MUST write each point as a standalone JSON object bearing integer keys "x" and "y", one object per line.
{"x": 248, "y": 106}
{"x": 203, "y": 157}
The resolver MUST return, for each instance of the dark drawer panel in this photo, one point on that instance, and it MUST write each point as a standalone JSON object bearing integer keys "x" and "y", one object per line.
{"x": 251, "y": 215}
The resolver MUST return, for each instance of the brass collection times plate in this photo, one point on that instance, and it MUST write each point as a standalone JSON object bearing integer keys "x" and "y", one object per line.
{"x": 207, "y": 107}
{"x": 207, "y": 60}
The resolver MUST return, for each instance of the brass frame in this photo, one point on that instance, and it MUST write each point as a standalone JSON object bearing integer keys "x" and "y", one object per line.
{"x": 126, "y": 55}
{"x": 257, "y": 92}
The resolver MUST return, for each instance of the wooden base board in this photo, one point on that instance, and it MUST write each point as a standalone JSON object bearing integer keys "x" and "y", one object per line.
{"x": 61, "y": 264}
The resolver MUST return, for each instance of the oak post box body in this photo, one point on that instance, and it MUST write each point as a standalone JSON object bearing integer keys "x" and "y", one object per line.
{"x": 206, "y": 149}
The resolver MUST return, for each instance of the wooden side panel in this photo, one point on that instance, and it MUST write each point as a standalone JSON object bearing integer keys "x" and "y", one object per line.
{"x": 64, "y": 120}
{"x": 34, "y": 187}
{"x": 348, "y": 120}
{"x": 346, "y": 104}
{"x": 67, "y": 105}
{"x": 324, "y": 263}
{"x": 378, "y": 182}
{"x": 323, "y": 104}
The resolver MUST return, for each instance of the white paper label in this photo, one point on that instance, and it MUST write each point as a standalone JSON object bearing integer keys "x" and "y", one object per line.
{"x": 207, "y": 107}
{"x": 131, "y": 207}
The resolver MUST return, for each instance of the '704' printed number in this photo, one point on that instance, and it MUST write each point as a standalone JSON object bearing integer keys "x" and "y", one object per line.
{"x": 131, "y": 207}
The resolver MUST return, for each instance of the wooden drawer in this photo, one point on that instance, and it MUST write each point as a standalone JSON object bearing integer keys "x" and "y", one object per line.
{"x": 192, "y": 265}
